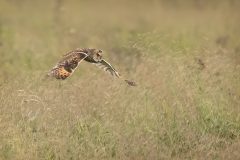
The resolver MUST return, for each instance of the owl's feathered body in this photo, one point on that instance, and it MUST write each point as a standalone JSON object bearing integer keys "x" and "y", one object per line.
{"x": 70, "y": 61}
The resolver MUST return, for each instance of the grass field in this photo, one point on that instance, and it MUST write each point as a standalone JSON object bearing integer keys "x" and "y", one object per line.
{"x": 184, "y": 56}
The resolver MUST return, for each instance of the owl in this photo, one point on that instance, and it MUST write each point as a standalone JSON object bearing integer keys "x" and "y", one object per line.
{"x": 70, "y": 61}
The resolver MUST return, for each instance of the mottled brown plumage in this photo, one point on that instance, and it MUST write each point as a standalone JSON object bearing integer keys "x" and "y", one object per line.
{"x": 70, "y": 61}
{"x": 67, "y": 65}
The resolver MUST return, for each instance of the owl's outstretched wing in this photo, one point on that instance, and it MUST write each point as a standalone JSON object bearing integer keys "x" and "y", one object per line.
{"x": 75, "y": 55}
{"x": 109, "y": 68}
{"x": 67, "y": 65}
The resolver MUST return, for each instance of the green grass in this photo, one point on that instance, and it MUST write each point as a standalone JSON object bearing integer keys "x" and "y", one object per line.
{"x": 181, "y": 109}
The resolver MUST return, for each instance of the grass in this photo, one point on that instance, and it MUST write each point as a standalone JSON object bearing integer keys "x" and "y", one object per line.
{"x": 184, "y": 57}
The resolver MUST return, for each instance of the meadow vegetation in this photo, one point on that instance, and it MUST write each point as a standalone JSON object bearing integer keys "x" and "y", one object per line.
{"x": 184, "y": 56}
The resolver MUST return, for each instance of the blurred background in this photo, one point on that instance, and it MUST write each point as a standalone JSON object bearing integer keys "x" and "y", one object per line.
{"x": 184, "y": 56}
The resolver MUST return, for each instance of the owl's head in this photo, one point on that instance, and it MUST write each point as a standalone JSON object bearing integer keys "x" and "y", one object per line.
{"x": 95, "y": 54}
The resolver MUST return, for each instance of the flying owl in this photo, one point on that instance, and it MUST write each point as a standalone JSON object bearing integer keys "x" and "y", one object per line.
{"x": 70, "y": 61}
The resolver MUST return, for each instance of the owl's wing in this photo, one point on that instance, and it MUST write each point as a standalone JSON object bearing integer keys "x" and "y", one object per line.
{"x": 75, "y": 55}
{"x": 67, "y": 65}
{"x": 109, "y": 68}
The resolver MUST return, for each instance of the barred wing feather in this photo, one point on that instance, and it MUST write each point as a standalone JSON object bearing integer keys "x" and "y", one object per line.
{"x": 108, "y": 68}
{"x": 67, "y": 65}
{"x": 73, "y": 56}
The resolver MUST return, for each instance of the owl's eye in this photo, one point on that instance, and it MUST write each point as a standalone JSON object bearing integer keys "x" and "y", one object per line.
{"x": 100, "y": 51}
{"x": 99, "y": 55}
